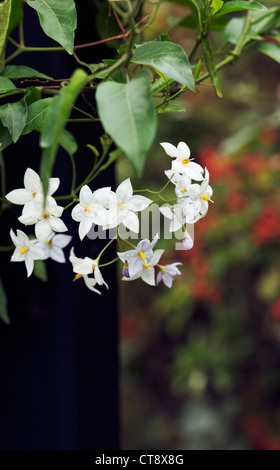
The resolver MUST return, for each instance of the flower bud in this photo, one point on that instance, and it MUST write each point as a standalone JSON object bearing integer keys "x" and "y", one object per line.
{"x": 187, "y": 241}
{"x": 125, "y": 270}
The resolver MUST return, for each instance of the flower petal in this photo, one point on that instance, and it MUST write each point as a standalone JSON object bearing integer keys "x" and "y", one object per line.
{"x": 169, "y": 149}
{"x": 53, "y": 185}
{"x": 61, "y": 241}
{"x": 57, "y": 254}
{"x": 124, "y": 191}
{"x": 29, "y": 263}
{"x": 19, "y": 196}
{"x": 148, "y": 276}
{"x": 183, "y": 150}
{"x": 57, "y": 224}
{"x": 32, "y": 181}
{"x": 131, "y": 222}
{"x": 85, "y": 226}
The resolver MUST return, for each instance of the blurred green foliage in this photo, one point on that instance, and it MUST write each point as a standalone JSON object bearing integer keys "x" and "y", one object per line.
{"x": 200, "y": 362}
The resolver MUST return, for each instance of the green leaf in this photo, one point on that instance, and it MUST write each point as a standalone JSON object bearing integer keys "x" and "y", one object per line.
{"x": 264, "y": 21}
{"x": 68, "y": 142}
{"x": 40, "y": 270}
{"x": 216, "y": 5}
{"x": 94, "y": 150}
{"x": 6, "y": 85}
{"x": 3, "y": 305}
{"x": 5, "y": 137}
{"x": 171, "y": 109}
{"x": 58, "y": 19}
{"x": 31, "y": 95}
{"x": 167, "y": 57}
{"x": 13, "y": 116}
{"x": 128, "y": 115}
{"x": 197, "y": 70}
{"x": 211, "y": 65}
{"x": 16, "y": 15}
{"x": 239, "y": 5}
{"x": 269, "y": 49}
{"x": 233, "y": 29}
{"x": 35, "y": 115}
{"x": 55, "y": 119}
{"x": 22, "y": 71}
{"x": 5, "y": 11}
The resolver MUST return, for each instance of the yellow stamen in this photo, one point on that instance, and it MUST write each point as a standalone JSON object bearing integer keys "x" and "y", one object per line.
{"x": 23, "y": 250}
{"x": 147, "y": 265}
{"x": 46, "y": 215}
{"x": 185, "y": 190}
{"x": 142, "y": 255}
{"x": 34, "y": 194}
{"x": 87, "y": 208}
{"x": 205, "y": 198}
{"x": 185, "y": 161}
{"x": 93, "y": 267}
{"x": 78, "y": 276}
{"x": 121, "y": 206}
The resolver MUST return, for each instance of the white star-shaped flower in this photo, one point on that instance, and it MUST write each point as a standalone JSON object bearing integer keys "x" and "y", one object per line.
{"x": 167, "y": 274}
{"x": 147, "y": 271}
{"x": 126, "y": 204}
{"x": 46, "y": 218}
{"x": 184, "y": 212}
{"x": 182, "y": 163}
{"x": 26, "y": 250}
{"x": 142, "y": 254}
{"x": 32, "y": 188}
{"x": 181, "y": 183}
{"x": 92, "y": 209}
{"x": 53, "y": 247}
{"x": 85, "y": 266}
{"x": 201, "y": 194}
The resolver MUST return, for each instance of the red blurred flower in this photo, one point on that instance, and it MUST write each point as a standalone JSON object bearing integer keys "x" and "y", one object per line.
{"x": 275, "y": 308}
{"x": 267, "y": 226}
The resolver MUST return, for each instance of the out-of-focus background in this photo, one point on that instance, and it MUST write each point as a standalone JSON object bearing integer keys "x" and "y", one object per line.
{"x": 201, "y": 361}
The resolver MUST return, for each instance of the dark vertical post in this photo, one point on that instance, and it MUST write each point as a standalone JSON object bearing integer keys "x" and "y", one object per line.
{"x": 59, "y": 356}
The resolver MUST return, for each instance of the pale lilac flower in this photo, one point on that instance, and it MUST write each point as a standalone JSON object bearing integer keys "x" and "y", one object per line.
{"x": 53, "y": 247}
{"x": 147, "y": 270}
{"x": 167, "y": 274}
{"x": 142, "y": 254}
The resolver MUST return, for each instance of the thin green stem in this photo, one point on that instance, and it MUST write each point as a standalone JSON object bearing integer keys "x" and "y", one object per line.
{"x": 6, "y": 248}
{"x": 109, "y": 262}
{"x": 21, "y": 34}
{"x": 194, "y": 49}
{"x": 96, "y": 168}
{"x": 82, "y": 120}
{"x": 71, "y": 203}
{"x": 83, "y": 112}
{"x": 13, "y": 92}
{"x": 105, "y": 247}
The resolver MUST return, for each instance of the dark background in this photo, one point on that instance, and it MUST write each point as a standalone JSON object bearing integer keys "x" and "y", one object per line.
{"x": 59, "y": 355}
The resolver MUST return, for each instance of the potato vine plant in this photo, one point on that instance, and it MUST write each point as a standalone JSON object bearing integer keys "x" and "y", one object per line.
{"x": 131, "y": 90}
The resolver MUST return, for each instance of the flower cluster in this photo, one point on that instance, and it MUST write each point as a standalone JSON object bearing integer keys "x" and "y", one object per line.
{"x": 193, "y": 199}
{"x": 45, "y": 215}
{"x": 110, "y": 210}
